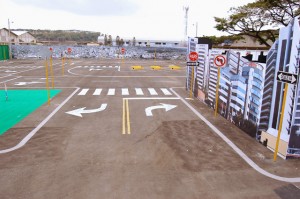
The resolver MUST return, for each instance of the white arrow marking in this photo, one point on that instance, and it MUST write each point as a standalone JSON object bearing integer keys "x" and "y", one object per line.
{"x": 27, "y": 83}
{"x": 78, "y": 112}
{"x": 167, "y": 107}
{"x": 293, "y": 79}
{"x": 280, "y": 76}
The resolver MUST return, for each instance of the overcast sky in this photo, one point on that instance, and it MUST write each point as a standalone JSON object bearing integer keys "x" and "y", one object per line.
{"x": 144, "y": 19}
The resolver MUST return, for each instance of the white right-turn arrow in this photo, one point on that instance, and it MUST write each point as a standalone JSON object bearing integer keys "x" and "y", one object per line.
{"x": 167, "y": 107}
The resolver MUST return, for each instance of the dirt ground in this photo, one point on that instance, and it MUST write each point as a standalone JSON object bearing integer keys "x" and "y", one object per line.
{"x": 172, "y": 154}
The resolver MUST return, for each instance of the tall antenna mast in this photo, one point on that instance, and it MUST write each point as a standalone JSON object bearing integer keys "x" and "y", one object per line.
{"x": 186, "y": 10}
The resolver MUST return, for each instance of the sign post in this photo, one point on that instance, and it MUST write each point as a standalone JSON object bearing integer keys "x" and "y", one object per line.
{"x": 51, "y": 67}
{"x": 286, "y": 78}
{"x": 193, "y": 56}
{"x": 69, "y": 53}
{"x": 219, "y": 61}
{"x": 123, "y": 51}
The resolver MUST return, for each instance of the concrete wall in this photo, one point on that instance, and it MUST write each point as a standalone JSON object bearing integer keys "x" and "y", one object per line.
{"x": 34, "y": 51}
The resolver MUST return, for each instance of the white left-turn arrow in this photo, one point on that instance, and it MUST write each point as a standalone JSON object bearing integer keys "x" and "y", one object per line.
{"x": 167, "y": 107}
{"x": 78, "y": 112}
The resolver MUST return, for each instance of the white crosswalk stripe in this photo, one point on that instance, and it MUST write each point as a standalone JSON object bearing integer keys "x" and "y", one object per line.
{"x": 97, "y": 91}
{"x": 166, "y": 91}
{"x": 139, "y": 91}
{"x": 152, "y": 91}
{"x": 83, "y": 91}
{"x": 111, "y": 91}
{"x": 125, "y": 91}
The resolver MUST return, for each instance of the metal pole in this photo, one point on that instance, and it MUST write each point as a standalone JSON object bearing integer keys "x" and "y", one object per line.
{"x": 281, "y": 120}
{"x": 217, "y": 92}
{"x": 196, "y": 29}
{"x": 10, "y": 56}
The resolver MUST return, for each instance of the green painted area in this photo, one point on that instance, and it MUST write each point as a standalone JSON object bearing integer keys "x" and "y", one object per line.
{"x": 19, "y": 104}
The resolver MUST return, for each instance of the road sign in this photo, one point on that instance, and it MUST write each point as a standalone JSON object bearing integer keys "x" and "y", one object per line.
{"x": 69, "y": 50}
{"x": 220, "y": 61}
{"x": 193, "y": 56}
{"x": 286, "y": 77}
{"x": 123, "y": 50}
{"x": 50, "y": 49}
{"x": 191, "y": 63}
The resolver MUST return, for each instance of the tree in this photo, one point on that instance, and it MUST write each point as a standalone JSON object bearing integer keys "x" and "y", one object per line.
{"x": 118, "y": 41}
{"x": 279, "y": 12}
{"x": 109, "y": 41}
{"x": 121, "y": 42}
{"x": 105, "y": 40}
{"x": 255, "y": 19}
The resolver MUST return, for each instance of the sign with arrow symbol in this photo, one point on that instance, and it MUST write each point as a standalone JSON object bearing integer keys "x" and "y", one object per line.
{"x": 80, "y": 111}
{"x": 167, "y": 107}
{"x": 286, "y": 77}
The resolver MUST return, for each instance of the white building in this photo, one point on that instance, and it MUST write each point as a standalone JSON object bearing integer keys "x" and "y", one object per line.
{"x": 24, "y": 37}
{"x": 284, "y": 56}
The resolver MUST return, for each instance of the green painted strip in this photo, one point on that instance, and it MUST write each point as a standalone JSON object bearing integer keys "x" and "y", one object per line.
{"x": 20, "y": 104}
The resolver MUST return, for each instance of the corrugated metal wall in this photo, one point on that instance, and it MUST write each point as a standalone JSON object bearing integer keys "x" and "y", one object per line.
{"x": 4, "y": 52}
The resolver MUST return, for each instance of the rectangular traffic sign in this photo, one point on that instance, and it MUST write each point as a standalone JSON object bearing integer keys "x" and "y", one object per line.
{"x": 192, "y": 63}
{"x": 286, "y": 77}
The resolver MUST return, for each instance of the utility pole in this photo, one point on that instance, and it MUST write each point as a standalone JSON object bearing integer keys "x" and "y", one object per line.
{"x": 10, "y": 55}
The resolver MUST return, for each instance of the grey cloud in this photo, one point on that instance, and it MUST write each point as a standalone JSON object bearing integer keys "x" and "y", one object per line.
{"x": 86, "y": 7}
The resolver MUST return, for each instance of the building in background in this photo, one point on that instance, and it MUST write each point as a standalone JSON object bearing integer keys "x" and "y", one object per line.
{"x": 283, "y": 56}
{"x": 4, "y": 36}
{"x": 24, "y": 38}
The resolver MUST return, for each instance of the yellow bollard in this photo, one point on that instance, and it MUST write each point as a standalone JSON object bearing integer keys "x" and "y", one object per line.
{"x": 155, "y": 67}
{"x": 136, "y": 67}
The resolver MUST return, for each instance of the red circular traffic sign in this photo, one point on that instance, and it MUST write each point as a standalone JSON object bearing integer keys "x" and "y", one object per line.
{"x": 69, "y": 50}
{"x": 220, "y": 61}
{"x": 193, "y": 56}
{"x": 123, "y": 50}
{"x": 50, "y": 49}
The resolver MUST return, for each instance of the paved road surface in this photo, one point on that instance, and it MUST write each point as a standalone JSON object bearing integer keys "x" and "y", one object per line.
{"x": 125, "y": 143}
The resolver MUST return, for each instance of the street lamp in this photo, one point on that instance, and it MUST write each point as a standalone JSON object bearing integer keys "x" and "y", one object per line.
{"x": 196, "y": 28}
{"x": 10, "y": 55}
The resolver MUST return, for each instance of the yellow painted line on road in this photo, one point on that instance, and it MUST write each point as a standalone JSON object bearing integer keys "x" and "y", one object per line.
{"x": 126, "y": 117}
{"x": 136, "y": 67}
{"x": 155, "y": 67}
{"x": 174, "y": 67}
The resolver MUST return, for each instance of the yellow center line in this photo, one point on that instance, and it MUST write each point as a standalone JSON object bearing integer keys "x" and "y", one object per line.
{"x": 128, "y": 119}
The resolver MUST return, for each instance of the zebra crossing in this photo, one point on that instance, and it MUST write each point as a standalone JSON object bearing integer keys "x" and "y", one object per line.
{"x": 125, "y": 92}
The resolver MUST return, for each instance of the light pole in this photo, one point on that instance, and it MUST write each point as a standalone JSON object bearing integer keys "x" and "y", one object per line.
{"x": 10, "y": 55}
{"x": 196, "y": 28}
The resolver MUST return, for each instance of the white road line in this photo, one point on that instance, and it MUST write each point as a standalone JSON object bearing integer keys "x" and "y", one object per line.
{"x": 235, "y": 148}
{"x": 97, "y": 91}
{"x": 125, "y": 91}
{"x": 11, "y": 79}
{"x": 139, "y": 91}
{"x": 83, "y": 91}
{"x": 111, "y": 91}
{"x": 152, "y": 91}
{"x": 166, "y": 91}
{"x": 151, "y": 98}
{"x": 34, "y": 131}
